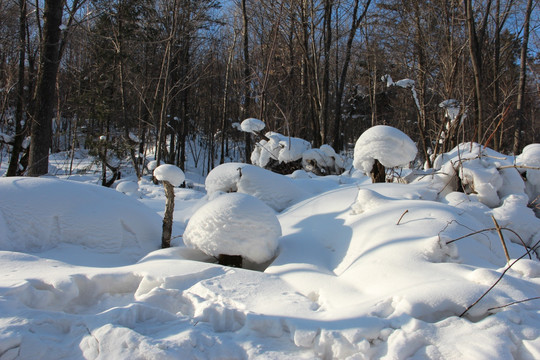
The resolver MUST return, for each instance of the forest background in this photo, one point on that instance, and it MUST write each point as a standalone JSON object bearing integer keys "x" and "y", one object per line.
{"x": 125, "y": 76}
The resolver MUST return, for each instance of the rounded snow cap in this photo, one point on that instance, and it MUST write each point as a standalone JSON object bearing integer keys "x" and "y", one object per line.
{"x": 170, "y": 173}
{"x": 235, "y": 224}
{"x": 252, "y": 124}
{"x": 387, "y": 144}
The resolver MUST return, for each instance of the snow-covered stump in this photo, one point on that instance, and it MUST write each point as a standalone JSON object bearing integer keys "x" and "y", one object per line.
{"x": 171, "y": 176}
{"x": 234, "y": 228}
{"x": 381, "y": 147}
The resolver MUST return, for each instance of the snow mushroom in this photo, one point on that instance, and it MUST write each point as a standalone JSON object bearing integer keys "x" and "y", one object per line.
{"x": 170, "y": 173}
{"x": 234, "y": 225}
{"x": 252, "y": 125}
{"x": 384, "y": 145}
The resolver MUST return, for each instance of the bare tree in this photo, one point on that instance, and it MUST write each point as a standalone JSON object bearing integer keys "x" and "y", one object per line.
{"x": 41, "y": 128}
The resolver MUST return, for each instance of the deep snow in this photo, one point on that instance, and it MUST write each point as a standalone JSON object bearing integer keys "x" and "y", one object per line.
{"x": 363, "y": 271}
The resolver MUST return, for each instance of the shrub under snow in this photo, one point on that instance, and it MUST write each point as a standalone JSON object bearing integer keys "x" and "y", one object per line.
{"x": 234, "y": 224}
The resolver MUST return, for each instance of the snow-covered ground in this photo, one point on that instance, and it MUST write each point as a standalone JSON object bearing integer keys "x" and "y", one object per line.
{"x": 362, "y": 271}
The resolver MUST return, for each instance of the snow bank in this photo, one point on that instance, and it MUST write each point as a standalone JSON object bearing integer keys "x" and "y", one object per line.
{"x": 277, "y": 191}
{"x": 36, "y": 214}
{"x": 234, "y": 224}
{"x": 170, "y": 173}
{"x": 384, "y": 143}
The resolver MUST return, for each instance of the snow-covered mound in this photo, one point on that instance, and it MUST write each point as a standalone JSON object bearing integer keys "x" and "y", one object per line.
{"x": 235, "y": 224}
{"x": 36, "y": 214}
{"x": 277, "y": 191}
{"x": 387, "y": 144}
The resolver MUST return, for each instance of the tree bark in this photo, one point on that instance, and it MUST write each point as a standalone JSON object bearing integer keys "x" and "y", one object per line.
{"x": 19, "y": 111}
{"x": 168, "y": 216}
{"x": 41, "y": 132}
{"x": 522, "y": 79}
{"x": 338, "y": 142}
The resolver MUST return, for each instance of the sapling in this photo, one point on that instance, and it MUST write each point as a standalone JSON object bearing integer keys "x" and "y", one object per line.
{"x": 171, "y": 176}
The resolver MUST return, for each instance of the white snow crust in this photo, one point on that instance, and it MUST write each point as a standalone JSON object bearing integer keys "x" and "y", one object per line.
{"x": 170, "y": 173}
{"x": 387, "y": 144}
{"x": 234, "y": 224}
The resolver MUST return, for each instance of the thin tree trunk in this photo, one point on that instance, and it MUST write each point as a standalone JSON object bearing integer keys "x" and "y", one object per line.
{"x": 338, "y": 141}
{"x": 247, "y": 80}
{"x": 522, "y": 79}
{"x": 46, "y": 89}
{"x": 168, "y": 216}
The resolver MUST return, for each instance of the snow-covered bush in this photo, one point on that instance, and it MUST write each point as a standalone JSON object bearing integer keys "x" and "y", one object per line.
{"x": 385, "y": 145}
{"x": 490, "y": 178}
{"x": 279, "y": 153}
{"x": 234, "y": 224}
{"x": 529, "y": 161}
{"x": 277, "y": 191}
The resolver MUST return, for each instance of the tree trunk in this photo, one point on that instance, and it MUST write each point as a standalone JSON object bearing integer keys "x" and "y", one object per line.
{"x": 46, "y": 89}
{"x": 247, "y": 80}
{"x": 338, "y": 141}
{"x": 168, "y": 216}
{"x": 19, "y": 111}
{"x": 522, "y": 79}
{"x": 378, "y": 172}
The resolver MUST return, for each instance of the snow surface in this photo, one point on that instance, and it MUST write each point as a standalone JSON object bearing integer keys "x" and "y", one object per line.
{"x": 363, "y": 271}
{"x": 387, "y": 144}
{"x": 170, "y": 173}
{"x": 235, "y": 224}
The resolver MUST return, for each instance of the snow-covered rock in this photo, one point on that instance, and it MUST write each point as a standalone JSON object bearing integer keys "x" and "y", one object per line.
{"x": 37, "y": 214}
{"x": 387, "y": 144}
{"x": 170, "y": 173}
{"x": 235, "y": 224}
